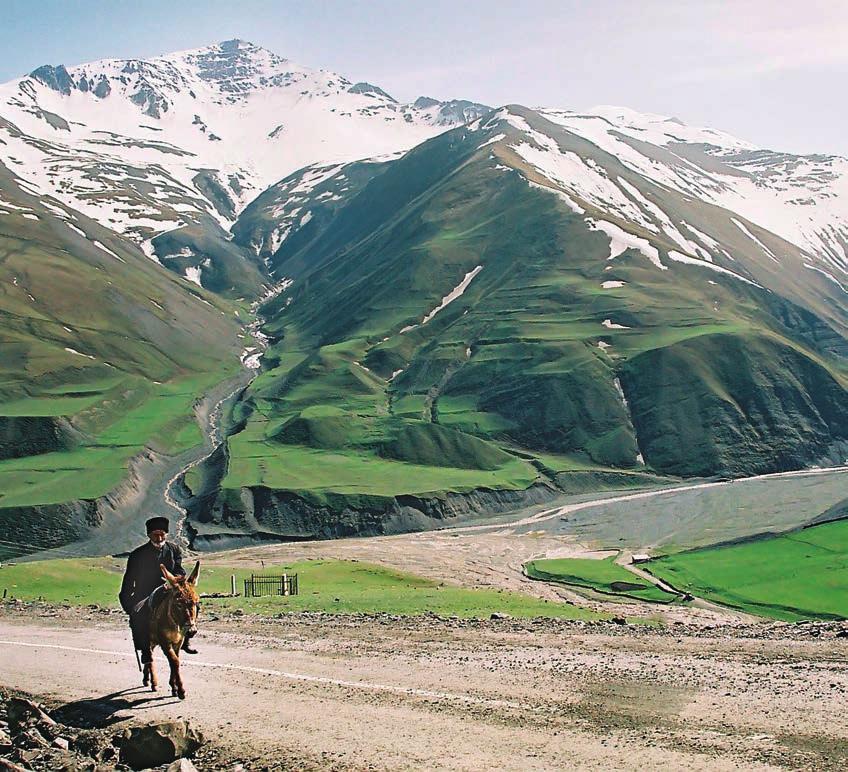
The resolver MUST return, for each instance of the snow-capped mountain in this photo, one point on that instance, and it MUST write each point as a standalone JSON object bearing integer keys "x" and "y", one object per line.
{"x": 803, "y": 199}
{"x": 187, "y": 140}
{"x": 513, "y": 280}
{"x": 145, "y": 146}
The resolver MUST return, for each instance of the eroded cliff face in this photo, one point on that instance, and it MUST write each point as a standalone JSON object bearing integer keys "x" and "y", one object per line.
{"x": 263, "y": 514}
{"x": 48, "y": 526}
{"x": 22, "y": 436}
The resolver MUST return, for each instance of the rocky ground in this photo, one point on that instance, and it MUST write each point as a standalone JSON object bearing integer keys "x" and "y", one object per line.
{"x": 319, "y": 691}
{"x": 37, "y": 736}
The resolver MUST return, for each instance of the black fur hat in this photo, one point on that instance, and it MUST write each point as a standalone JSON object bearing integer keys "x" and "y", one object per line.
{"x": 157, "y": 524}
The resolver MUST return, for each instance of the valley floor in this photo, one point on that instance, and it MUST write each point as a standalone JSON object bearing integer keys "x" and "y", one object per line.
{"x": 474, "y": 558}
{"x": 314, "y": 691}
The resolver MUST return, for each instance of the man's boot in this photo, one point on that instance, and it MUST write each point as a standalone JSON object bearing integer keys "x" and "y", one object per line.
{"x": 187, "y": 646}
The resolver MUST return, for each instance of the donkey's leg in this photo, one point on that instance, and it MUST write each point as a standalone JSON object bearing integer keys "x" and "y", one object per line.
{"x": 149, "y": 668}
{"x": 173, "y": 653}
{"x": 173, "y": 668}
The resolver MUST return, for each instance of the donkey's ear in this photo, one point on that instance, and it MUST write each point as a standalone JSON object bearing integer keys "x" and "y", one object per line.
{"x": 168, "y": 575}
{"x": 194, "y": 573}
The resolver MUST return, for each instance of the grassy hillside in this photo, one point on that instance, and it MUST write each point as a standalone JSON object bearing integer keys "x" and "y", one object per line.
{"x": 798, "y": 575}
{"x": 602, "y": 576}
{"x": 104, "y": 353}
{"x": 218, "y": 263}
{"x": 452, "y": 326}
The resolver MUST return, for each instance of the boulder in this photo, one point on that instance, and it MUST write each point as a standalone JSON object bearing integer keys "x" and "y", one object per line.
{"x": 182, "y": 765}
{"x": 31, "y": 738}
{"x": 9, "y": 766}
{"x": 153, "y": 745}
{"x": 22, "y": 712}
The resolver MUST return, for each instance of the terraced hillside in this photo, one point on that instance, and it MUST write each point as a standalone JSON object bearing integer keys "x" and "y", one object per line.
{"x": 103, "y": 356}
{"x": 531, "y": 303}
{"x": 508, "y": 305}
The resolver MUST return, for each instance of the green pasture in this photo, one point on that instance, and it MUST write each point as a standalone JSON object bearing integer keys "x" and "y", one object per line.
{"x": 798, "y": 575}
{"x": 254, "y": 462}
{"x": 600, "y": 575}
{"x": 320, "y": 423}
{"x": 131, "y": 415}
{"x": 324, "y": 585}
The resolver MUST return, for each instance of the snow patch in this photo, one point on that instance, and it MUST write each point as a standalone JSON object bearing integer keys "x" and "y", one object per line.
{"x": 78, "y": 353}
{"x": 108, "y": 251}
{"x": 828, "y": 275}
{"x": 449, "y": 298}
{"x": 688, "y": 260}
{"x": 620, "y": 240}
{"x": 492, "y": 140}
{"x": 753, "y": 238}
{"x": 571, "y": 204}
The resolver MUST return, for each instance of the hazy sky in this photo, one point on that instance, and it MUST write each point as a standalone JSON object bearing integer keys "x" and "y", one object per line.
{"x": 773, "y": 72}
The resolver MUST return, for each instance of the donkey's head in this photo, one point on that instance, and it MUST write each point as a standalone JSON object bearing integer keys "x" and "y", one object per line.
{"x": 184, "y": 598}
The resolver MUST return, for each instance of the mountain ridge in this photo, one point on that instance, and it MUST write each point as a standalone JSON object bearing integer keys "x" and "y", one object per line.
{"x": 458, "y": 301}
{"x": 187, "y": 139}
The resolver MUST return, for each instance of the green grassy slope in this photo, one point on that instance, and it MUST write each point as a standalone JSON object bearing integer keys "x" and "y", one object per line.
{"x": 698, "y": 374}
{"x": 600, "y": 575}
{"x": 799, "y": 575}
{"x": 103, "y": 353}
{"x": 223, "y": 266}
{"x": 333, "y": 586}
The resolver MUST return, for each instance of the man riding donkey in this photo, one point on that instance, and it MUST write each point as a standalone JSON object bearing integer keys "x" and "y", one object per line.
{"x": 161, "y": 602}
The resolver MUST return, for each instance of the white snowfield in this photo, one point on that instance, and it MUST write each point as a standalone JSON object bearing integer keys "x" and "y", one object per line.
{"x": 800, "y": 199}
{"x": 147, "y": 146}
{"x": 122, "y": 140}
{"x": 803, "y": 199}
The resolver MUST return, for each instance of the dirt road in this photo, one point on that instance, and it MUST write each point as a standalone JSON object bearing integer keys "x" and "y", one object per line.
{"x": 320, "y": 692}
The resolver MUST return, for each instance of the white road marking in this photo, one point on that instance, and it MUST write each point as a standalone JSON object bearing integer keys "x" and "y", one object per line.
{"x": 366, "y": 685}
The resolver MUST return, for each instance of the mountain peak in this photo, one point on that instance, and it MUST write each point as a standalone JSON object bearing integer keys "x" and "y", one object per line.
{"x": 56, "y": 77}
{"x": 235, "y": 44}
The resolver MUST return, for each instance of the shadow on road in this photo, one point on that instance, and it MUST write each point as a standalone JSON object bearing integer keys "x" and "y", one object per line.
{"x": 98, "y": 712}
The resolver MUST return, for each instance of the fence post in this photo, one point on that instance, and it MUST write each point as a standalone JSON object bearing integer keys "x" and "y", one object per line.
{"x": 285, "y": 584}
{"x": 233, "y": 585}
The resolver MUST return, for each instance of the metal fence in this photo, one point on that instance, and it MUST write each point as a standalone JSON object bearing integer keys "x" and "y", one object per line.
{"x": 257, "y": 586}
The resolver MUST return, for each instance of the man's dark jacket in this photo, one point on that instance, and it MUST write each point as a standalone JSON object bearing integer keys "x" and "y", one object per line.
{"x": 143, "y": 574}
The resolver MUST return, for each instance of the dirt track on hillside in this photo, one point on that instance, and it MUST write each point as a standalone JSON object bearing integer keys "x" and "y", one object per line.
{"x": 378, "y": 693}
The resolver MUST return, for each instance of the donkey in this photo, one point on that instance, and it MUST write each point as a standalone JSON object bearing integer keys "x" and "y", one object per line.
{"x": 175, "y": 616}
